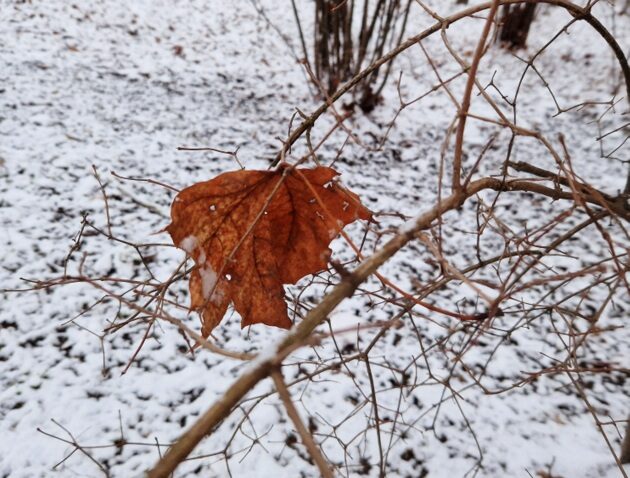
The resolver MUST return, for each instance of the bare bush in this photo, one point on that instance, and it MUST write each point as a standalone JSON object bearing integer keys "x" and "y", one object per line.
{"x": 349, "y": 35}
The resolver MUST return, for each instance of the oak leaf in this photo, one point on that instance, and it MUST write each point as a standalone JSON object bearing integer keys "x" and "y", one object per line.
{"x": 250, "y": 232}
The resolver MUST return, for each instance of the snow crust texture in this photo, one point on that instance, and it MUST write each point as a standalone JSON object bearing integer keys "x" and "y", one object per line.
{"x": 117, "y": 87}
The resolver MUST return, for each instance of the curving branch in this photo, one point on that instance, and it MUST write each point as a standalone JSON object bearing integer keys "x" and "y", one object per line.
{"x": 463, "y": 110}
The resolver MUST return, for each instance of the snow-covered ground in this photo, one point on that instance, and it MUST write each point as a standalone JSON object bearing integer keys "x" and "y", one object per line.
{"x": 118, "y": 86}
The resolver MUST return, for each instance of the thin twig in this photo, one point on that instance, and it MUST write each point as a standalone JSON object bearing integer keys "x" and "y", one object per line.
{"x": 307, "y": 439}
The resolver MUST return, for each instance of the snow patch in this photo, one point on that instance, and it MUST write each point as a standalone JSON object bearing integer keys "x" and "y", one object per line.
{"x": 408, "y": 226}
{"x": 265, "y": 355}
{"x": 209, "y": 287}
{"x": 189, "y": 244}
{"x": 208, "y": 280}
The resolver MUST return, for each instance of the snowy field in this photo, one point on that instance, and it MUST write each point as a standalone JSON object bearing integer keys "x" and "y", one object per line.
{"x": 118, "y": 86}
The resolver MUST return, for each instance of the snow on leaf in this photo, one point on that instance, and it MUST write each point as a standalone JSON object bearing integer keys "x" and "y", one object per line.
{"x": 189, "y": 244}
{"x": 250, "y": 232}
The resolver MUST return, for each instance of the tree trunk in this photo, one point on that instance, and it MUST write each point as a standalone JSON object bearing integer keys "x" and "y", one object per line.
{"x": 515, "y": 23}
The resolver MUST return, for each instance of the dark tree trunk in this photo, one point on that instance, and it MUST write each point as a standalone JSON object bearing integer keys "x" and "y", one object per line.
{"x": 515, "y": 23}
{"x": 340, "y": 51}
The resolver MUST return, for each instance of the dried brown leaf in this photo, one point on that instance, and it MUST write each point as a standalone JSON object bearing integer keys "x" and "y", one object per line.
{"x": 250, "y": 232}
